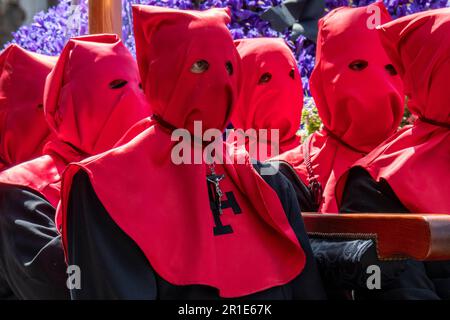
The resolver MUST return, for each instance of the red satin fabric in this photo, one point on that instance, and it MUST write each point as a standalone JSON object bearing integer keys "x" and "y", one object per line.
{"x": 87, "y": 116}
{"x": 167, "y": 210}
{"x": 276, "y": 104}
{"x": 23, "y": 129}
{"x": 416, "y": 161}
{"x": 359, "y": 109}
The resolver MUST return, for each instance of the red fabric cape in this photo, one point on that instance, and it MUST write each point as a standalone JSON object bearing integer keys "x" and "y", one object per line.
{"x": 359, "y": 108}
{"x": 43, "y": 174}
{"x": 174, "y": 226}
{"x": 416, "y": 161}
{"x": 329, "y": 158}
{"x": 165, "y": 207}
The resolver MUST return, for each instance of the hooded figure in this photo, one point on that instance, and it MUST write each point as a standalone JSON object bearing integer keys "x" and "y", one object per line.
{"x": 271, "y": 98}
{"x": 410, "y": 172}
{"x": 415, "y": 162}
{"x": 89, "y": 104}
{"x": 359, "y": 97}
{"x": 141, "y": 226}
{"x": 23, "y": 130}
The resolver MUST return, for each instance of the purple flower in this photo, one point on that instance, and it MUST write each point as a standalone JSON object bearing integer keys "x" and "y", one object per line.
{"x": 50, "y": 30}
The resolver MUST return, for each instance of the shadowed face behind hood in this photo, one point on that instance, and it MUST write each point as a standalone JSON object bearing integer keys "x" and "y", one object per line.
{"x": 23, "y": 129}
{"x": 358, "y": 93}
{"x": 189, "y": 78}
{"x": 93, "y": 96}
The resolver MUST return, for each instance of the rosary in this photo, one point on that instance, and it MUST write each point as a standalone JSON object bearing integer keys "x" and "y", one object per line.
{"x": 215, "y": 180}
{"x": 218, "y": 204}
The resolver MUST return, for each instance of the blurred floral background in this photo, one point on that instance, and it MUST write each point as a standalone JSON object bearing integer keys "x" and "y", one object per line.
{"x": 50, "y": 29}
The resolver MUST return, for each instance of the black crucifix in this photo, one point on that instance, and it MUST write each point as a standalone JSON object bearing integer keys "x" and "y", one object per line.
{"x": 217, "y": 205}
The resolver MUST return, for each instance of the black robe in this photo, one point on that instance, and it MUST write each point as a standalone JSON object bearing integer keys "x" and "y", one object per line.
{"x": 419, "y": 280}
{"x": 343, "y": 262}
{"x": 32, "y": 265}
{"x": 114, "y": 267}
{"x": 303, "y": 193}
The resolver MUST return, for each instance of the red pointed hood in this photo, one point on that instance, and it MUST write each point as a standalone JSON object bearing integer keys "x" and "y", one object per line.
{"x": 415, "y": 162}
{"x": 23, "y": 129}
{"x": 358, "y": 95}
{"x": 272, "y": 93}
{"x": 92, "y": 113}
{"x": 166, "y": 61}
{"x": 358, "y": 98}
{"x": 191, "y": 71}
{"x": 89, "y": 103}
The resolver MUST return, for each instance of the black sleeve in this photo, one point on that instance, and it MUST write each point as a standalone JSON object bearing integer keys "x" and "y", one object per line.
{"x": 308, "y": 285}
{"x": 439, "y": 273}
{"x": 31, "y": 256}
{"x": 415, "y": 280}
{"x": 304, "y": 195}
{"x": 103, "y": 252}
{"x": 364, "y": 194}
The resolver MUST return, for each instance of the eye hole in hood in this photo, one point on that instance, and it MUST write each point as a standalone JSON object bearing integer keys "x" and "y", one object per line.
{"x": 265, "y": 78}
{"x": 229, "y": 67}
{"x": 358, "y": 65}
{"x": 391, "y": 69}
{"x": 117, "y": 84}
{"x": 200, "y": 66}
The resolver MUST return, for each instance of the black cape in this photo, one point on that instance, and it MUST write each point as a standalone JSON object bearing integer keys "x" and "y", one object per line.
{"x": 418, "y": 280}
{"x": 32, "y": 265}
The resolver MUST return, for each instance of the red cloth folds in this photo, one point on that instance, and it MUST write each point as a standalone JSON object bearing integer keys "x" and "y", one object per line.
{"x": 358, "y": 97}
{"x": 416, "y": 161}
{"x": 275, "y": 103}
{"x": 165, "y": 207}
{"x": 86, "y": 114}
{"x": 23, "y": 129}
{"x": 72, "y": 92}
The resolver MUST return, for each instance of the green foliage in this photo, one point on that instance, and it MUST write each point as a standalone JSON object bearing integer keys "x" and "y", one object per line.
{"x": 408, "y": 117}
{"x": 310, "y": 119}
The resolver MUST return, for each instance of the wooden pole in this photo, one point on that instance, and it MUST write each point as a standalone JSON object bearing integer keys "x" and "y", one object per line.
{"x": 105, "y": 16}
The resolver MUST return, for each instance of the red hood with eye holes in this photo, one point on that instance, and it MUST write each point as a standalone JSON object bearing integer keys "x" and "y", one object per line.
{"x": 359, "y": 109}
{"x": 174, "y": 92}
{"x": 168, "y": 212}
{"x": 85, "y": 113}
{"x": 276, "y": 104}
{"x": 89, "y": 112}
{"x": 416, "y": 161}
{"x": 23, "y": 129}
